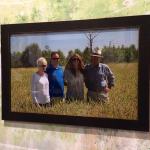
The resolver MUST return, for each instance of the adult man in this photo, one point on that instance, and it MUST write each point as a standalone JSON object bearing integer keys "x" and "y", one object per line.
{"x": 98, "y": 78}
{"x": 55, "y": 77}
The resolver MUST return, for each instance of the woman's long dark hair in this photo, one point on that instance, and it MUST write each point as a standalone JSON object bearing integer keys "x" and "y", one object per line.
{"x": 69, "y": 65}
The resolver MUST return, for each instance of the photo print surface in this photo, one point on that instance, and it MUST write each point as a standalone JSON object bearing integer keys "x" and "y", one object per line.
{"x": 78, "y": 73}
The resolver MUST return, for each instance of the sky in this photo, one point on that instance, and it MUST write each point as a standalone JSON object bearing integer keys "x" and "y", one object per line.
{"x": 66, "y": 41}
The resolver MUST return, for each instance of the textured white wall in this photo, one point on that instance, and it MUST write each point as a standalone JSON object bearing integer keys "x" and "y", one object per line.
{"x": 22, "y": 136}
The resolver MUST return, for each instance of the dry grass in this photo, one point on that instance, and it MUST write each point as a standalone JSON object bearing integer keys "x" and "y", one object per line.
{"x": 122, "y": 104}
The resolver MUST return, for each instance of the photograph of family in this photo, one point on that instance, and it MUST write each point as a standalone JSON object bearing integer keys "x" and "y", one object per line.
{"x": 80, "y": 73}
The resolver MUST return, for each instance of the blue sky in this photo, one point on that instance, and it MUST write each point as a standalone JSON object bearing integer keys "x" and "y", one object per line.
{"x": 66, "y": 41}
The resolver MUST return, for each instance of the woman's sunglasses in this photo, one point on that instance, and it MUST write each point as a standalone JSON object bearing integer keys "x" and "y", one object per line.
{"x": 74, "y": 59}
{"x": 43, "y": 66}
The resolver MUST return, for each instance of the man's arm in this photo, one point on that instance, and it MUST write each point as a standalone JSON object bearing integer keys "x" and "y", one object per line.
{"x": 110, "y": 77}
{"x": 65, "y": 77}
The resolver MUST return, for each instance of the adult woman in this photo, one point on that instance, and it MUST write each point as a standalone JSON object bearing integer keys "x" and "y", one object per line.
{"x": 73, "y": 77}
{"x": 40, "y": 85}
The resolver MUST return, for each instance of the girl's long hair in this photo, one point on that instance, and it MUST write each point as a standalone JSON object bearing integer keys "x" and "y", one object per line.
{"x": 69, "y": 65}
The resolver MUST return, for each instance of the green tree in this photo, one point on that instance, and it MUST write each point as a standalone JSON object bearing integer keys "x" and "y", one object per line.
{"x": 62, "y": 58}
{"x": 120, "y": 53}
{"x": 30, "y": 55}
{"x": 86, "y": 55}
{"x": 70, "y": 53}
{"x": 46, "y": 53}
{"x": 128, "y": 55}
{"x": 135, "y": 52}
{"x": 108, "y": 54}
{"x": 15, "y": 59}
{"x": 78, "y": 51}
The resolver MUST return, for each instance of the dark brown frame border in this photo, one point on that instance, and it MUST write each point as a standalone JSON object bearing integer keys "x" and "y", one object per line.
{"x": 143, "y": 22}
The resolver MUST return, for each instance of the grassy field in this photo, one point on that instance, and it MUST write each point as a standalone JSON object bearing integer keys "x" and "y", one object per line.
{"x": 122, "y": 104}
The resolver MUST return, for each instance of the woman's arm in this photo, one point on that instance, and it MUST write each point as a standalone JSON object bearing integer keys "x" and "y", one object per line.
{"x": 33, "y": 89}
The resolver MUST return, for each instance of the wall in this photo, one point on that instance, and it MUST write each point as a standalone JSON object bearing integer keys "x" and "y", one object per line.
{"x": 21, "y": 136}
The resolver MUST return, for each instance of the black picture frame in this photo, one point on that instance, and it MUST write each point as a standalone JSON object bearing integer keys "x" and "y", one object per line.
{"x": 142, "y": 22}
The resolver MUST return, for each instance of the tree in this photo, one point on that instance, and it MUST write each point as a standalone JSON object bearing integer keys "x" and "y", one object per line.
{"x": 108, "y": 54}
{"x": 62, "y": 58}
{"x": 70, "y": 53}
{"x": 30, "y": 55}
{"x": 86, "y": 55}
{"x": 15, "y": 59}
{"x": 91, "y": 36}
{"x": 134, "y": 52}
{"x": 46, "y": 53}
{"x": 127, "y": 55}
{"x": 77, "y": 51}
{"x": 120, "y": 53}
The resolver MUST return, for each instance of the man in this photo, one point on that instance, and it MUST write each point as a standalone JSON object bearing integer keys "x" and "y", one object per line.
{"x": 98, "y": 78}
{"x": 55, "y": 77}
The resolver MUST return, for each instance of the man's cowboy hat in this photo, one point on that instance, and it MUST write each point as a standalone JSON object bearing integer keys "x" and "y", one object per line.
{"x": 97, "y": 53}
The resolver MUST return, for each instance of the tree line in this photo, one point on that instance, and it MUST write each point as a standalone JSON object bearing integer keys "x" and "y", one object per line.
{"x": 32, "y": 52}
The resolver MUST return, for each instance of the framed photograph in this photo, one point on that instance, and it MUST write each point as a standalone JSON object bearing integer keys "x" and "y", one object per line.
{"x": 85, "y": 72}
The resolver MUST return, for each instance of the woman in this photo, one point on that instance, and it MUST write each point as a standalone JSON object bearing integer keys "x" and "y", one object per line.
{"x": 73, "y": 77}
{"x": 40, "y": 85}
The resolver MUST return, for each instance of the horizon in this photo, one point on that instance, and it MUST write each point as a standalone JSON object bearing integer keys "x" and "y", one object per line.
{"x": 66, "y": 41}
